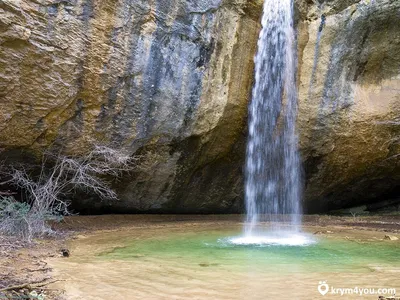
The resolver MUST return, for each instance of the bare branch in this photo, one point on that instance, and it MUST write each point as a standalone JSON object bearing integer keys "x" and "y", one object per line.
{"x": 60, "y": 176}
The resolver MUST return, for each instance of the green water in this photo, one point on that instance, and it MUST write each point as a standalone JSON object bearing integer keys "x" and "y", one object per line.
{"x": 212, "y": 249}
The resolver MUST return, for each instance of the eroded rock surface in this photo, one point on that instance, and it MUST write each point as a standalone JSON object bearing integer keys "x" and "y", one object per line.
{"x": 349, "y": 95}
{"x": 167, "y": 79}
{"x": 171, "y": 80}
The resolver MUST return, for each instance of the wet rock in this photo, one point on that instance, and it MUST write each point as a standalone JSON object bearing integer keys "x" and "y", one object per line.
{"x": 65, "y": 252}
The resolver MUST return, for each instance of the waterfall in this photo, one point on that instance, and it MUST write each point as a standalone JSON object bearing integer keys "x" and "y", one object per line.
{"x": 273, "y": 173}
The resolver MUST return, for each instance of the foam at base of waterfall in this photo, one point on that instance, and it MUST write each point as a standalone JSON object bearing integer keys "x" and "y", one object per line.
{"x": 276, "y": 239}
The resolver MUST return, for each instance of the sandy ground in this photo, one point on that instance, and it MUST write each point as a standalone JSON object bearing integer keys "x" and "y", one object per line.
{"x": 25, "y": 267}
{"x": 24, "y": 271}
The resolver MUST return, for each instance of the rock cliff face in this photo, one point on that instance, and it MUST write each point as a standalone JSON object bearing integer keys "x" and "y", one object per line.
{"x": 167, "y": 79}
{"x": 171, "y": 80}
{"x": 349, "y": 93}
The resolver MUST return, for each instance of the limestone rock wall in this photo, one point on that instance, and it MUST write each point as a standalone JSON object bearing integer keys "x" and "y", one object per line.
{"x": 349, "y": 98}
{"x": 171, "y": 80}
{"x": 167, "y": 79}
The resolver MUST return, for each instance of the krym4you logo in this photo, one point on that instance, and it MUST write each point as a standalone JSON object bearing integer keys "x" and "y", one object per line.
{"x": 324, "y": 288}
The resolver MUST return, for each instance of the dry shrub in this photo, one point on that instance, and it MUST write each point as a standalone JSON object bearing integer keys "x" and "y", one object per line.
{"x": 46, "y": 195}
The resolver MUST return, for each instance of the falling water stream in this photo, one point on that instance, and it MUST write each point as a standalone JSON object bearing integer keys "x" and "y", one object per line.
{"x": 273, "y": 177}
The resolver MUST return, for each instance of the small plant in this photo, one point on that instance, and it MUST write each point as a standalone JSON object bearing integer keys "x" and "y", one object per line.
{"x": 46, "y": 196}
{"x": 13, "y": 217}
{"x": 19, "y": 220}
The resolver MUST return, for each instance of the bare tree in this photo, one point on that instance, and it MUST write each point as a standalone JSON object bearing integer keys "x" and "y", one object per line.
{"x": 60, "y": 177}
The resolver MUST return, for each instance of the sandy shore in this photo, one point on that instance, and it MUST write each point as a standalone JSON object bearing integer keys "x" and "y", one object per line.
{"x": 26, "y": 267}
